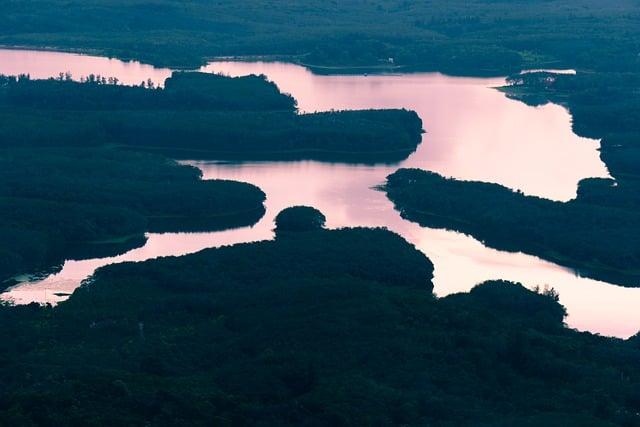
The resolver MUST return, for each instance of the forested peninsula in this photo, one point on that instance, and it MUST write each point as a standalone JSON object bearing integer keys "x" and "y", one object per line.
{"x": 198, "y": 115}
{"x": 318, "y": 327}
{"x": 87, "y": 202}
{"x": 456, "y": 36}
{"x": 597, "y": 241}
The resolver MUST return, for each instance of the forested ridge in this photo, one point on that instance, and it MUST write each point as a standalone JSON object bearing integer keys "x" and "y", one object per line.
{"x": 315, "y": 328}
{"x": 457, "y": 36}
{"x": 183, "y": 91}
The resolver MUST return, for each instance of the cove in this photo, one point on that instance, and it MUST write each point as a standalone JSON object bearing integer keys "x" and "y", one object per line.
{"x": 473, "y": 132}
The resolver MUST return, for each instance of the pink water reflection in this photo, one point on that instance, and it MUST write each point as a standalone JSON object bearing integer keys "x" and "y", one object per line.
{"x": 346, "y": 194}
{"x": 43, "y": 65}
{"x": 474, "y": 132}
{"x": 55, "y": 288}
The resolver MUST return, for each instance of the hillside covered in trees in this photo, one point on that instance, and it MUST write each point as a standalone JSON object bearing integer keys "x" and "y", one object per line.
{"x": 458, "y": 36}
{"x": 315, "y": 328}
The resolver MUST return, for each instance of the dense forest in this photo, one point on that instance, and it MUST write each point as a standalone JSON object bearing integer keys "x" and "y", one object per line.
{"x": 61, "y": 203}
{"x": 183, "y": 91}
{"x": 315, "y": 328}
{"x": 599, "y": 241}
{"x": 458, "y": 36}
{"x": 198, "y": 115}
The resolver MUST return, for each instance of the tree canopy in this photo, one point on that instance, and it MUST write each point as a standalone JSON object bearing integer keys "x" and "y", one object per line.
{"x": 325, "y": 327}
{"x": 298, "y": 219}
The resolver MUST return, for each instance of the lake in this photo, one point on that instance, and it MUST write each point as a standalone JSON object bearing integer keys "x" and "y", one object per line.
{"x": 473, "y": 132}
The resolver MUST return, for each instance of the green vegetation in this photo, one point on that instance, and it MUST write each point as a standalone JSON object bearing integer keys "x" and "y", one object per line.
{"x": 65, "y": 191}
{"x": 318, "y": 328}
{"x": 183, "y": 91}
{"x": 61, "y": 203}
{"x": 600, "y": 241}
{"x": 198, "y": 116}
{"x": 455, "y": 36}
{"x": 298, "y": 219}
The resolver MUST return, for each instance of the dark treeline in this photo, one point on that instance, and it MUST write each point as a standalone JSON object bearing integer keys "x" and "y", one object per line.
{"x": 197, "y": 115}
{"x": 455, "y": 35}
{"x": 314, "y": 328}
{"x": 60, "y": 203}
{"x": 600, "y": 241}
{"x": 347, "y": 136}
{"x": 182, "y": 91}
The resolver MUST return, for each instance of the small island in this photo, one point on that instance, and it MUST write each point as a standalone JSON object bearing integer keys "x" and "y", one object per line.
{"x": 298, "y": 219}
{"x": 317, "y": 326}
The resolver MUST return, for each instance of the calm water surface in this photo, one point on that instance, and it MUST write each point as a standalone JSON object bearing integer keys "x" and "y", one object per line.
{"x": 43, "y": 65}
{"x": 473, "y": 133}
